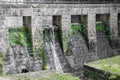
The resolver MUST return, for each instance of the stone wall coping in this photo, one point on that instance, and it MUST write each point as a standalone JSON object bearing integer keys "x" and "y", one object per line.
{"x": 57, "y": 6}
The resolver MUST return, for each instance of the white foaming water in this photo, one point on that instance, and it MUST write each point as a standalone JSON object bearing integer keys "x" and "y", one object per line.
{"x": 56, "y": 59}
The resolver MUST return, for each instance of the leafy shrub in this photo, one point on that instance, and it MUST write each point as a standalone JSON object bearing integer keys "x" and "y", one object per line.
{"x": 20, "y": 36}
{"x": 100, "y": 26}
{"x": 77, "y": 28}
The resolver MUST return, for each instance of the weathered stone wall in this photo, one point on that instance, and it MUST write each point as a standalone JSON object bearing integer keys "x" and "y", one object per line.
{"x": 41, "y": 15}
{"x": 57, "y": 1}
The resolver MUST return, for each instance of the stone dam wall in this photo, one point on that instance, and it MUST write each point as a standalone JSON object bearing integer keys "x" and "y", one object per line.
{"x": 11, "y": 16}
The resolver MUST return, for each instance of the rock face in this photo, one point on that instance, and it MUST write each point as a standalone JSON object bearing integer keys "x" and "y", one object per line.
{"x": 77, "y": 49}
{"x": 18, "y": 60}
{"x": 103, "y": 46}
{"x": 78, "y": 53}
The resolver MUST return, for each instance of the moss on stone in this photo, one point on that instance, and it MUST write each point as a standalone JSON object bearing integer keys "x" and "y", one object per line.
{"x": 92, "y": 75}
{"x": 1, "y": 58}
{"x": 78, "y": 27}
{"x": 109, "y": 65}
{"x": 100, "y": 26}
{"x": 41, "y": 49}
{"x": 20, "y": 36}
{"x": 46, "y": 76}
{"x": 64, "y": 42}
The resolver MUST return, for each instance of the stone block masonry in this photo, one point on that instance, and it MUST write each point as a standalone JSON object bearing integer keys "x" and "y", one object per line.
{"x": 41, "y": 16}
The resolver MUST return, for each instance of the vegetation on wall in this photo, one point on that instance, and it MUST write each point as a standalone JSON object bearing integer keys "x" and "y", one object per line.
{"x": 92, "y": 74}
{"x": 20, "y": 36}
{"x": 1, "y": 57}
{"x": 102, "y": 27}
{"x": 78, "y": 27}
{"x": 41, "y": 50}
{"x": 64, "y": 42}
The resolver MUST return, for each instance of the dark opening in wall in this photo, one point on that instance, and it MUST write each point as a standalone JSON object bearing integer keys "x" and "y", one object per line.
{"x": 104, "y": 46}
{"x": 27, "y": 24}
{"x": 58, "y": 29}
{"x": 79, "y": 24}
{"x": 24, "y": 71}
{"x": 103, "y": 25}
{"x": 21, "y": 35}
{"x": 119, "y": 24}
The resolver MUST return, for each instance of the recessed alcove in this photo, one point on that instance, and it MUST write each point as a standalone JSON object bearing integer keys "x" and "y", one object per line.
{"x": 20, "y": 42}
{"x": 103, "y": 25}
{"x": 104, "y": 47}
{"x": 21, "y": 35}
{"x": 79, "y": 24}
{"x": 119, "y": 24}
{"x": 57, "y": 29}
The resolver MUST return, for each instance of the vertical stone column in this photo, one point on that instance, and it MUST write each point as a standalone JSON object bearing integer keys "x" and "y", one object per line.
{"x": 47, "y": 27}
{"x": 92, "y": 31}
{"x": 35, "y": 28}
{"x": 4, "y": 39}
{"x": 4, "y": 49}
{"x": 114, "y": 28}
{"x": 114, "y": 25}
{"x": 66, "y": 23}
{"x": 66, "y": 27}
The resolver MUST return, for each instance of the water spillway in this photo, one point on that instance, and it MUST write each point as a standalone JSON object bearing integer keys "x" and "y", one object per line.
{"x": 55, "y": 58}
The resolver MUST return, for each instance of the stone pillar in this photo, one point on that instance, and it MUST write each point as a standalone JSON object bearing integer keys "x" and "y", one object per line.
{"x": 114, "y": 25}
{"x": 36, "y": 27}
{"x": 66, "y": 23}
{"x": 66, "y": 27}
{"x": 47, "y": 26}
{"x": 92, "y": 31}
{"x": 4, "y": 49}
{"x": 114, "y": 28}
{"x": 4, "y": 35}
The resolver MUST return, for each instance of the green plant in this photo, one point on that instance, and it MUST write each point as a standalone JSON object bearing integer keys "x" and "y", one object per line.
{"x": 76, "y": 28}
{"x": 92, "y": 75}
{"x": 64, "y": 42}
{"x": 1, "y": 57}
{"x": 109, "y": 65}
{"x": 41, "y": 50}
{"x": 21, "y": 36}
{"x": 100, "y": 26}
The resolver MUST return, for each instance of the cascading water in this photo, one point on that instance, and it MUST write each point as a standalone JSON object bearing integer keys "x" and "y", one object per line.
{"x": 50, "y": 49}
{"x": 56, "y": 59}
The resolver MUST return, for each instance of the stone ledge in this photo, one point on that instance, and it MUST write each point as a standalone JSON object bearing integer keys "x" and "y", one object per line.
{"x": 98, "y": 74}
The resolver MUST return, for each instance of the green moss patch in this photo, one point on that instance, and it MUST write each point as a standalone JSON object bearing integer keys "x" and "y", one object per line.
{"x": 20, "y": 36}
{"x": 40, "y": 50}
{"x": 100, "y": 26}
{"x": 78, "y": 27}
{"x": 109, "y": 65}
{"x": 64, "y": 42}
{"x": 46, "y": 76}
